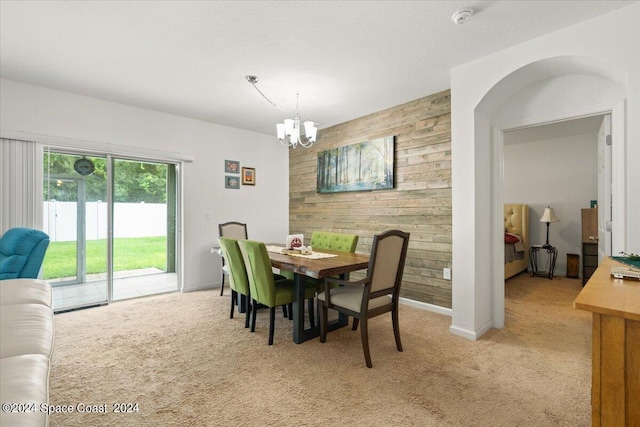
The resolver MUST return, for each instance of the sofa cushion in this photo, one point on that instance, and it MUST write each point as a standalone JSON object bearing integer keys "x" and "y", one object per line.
{"x": 25, "y": 380}
{"x": 25, "y": 291}
{"x": 26, "y": 329}
{"x": 350, "y": 297}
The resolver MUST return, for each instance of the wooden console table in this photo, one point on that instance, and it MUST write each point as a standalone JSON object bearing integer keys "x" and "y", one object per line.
{"x": 615, "y": 380}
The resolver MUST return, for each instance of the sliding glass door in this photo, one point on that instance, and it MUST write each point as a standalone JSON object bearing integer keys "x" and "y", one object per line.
{"x": 112, "y": 225}
{"x": 75, "y": 217}
{"x": 144, "y": 218}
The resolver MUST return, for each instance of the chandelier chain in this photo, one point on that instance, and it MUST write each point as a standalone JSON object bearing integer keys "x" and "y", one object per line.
{"x": 253, "y": 80}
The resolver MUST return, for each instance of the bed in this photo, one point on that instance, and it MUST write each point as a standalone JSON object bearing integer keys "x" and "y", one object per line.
{"x": 516, "y": 233}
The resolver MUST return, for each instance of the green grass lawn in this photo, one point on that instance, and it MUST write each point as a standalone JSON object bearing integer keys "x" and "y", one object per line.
{"x": 129, "y": 254}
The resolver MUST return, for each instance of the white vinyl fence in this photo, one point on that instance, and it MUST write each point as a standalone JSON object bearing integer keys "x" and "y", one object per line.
{"x": 130, "y": 220}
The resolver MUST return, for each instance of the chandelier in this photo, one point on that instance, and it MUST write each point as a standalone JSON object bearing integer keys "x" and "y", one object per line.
{"x": 289, "y": 132}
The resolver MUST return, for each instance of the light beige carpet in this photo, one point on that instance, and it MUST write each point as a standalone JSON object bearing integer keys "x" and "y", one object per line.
{"x": 185, "y": 363}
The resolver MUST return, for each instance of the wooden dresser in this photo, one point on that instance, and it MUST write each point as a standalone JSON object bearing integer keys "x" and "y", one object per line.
{"x": 615, "y": 377}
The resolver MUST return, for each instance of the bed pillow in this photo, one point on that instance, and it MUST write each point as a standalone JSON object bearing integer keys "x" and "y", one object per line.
{"x": 511, "y": 238}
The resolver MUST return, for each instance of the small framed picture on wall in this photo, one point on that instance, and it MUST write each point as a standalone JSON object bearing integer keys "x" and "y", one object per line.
{"x": 231, "y": 166}
{"x": 232, "y": 182}
{"x": 248, "y": 176}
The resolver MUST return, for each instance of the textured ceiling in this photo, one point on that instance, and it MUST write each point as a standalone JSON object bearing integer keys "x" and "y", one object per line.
{"x": 346, "y": 59}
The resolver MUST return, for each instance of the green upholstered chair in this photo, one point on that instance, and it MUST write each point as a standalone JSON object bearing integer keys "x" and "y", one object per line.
{"x": 264, "y": 288}
{"x": 238, "y": 280}
{"x": 331, "y": 241}
{"x": 376, "y": 294}
{"x": 234, "y": 230}
{"x": 237, "y": 272}
{"x": 334, "y": 241}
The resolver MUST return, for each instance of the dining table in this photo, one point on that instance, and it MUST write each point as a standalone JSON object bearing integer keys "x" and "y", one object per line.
{"x": 317, "y": 265}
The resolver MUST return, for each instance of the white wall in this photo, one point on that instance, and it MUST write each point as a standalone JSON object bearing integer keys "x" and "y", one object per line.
{"x": 48, "y": 114}
{"x": 612, "y": 40}
{"x": 561, "y": 173}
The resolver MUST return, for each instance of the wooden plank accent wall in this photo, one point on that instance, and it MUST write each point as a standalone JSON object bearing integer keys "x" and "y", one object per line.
{"x": 420, "y": 202}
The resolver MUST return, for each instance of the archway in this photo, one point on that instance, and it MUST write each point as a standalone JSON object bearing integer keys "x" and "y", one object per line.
{"x": 545, "y": 91}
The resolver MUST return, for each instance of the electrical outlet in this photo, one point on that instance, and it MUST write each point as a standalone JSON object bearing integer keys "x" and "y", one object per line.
{"x": 446, "y": 273}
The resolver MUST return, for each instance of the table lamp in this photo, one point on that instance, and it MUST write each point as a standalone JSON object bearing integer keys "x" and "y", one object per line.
{"x": 548, "y": 216}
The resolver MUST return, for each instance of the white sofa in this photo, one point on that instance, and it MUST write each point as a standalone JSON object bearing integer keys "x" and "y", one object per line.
{"x": 26, "y": 346}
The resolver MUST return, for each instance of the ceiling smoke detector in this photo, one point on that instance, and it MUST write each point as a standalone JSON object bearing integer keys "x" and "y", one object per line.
{"x": 462, "y": 16}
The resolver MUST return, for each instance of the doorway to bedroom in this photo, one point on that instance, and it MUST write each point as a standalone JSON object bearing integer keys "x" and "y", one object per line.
{"x": 112, "y": 225}
{"x": 555, "y": 165}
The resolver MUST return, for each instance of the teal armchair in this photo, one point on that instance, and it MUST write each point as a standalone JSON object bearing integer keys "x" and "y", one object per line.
{"x": 22, "y": 251}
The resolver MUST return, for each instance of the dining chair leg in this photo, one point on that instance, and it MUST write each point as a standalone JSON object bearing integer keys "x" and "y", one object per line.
{"x": 254, "y": 312}
{"x": 233, "y": 301}
{"x": 247, "y": 312}
{"x": 284, "y": 311}
{"x": 323, "y": 312}
{"x": 396, "y": 327}
{"x": 364, "y": 333}
{"x": 355, "y": 324}
{"x": 272, "y": 321}
{"x": 222, "y": 281}
{"x": 290, "y": 310}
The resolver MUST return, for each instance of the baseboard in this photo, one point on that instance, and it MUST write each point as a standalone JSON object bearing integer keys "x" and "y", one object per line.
{"x": 406, "y": 301}
{"x": 470, "y": 335}
{"x": 484, "y": 328}
{"x": 201, "y": 287}
{"x": 426, "y": 306}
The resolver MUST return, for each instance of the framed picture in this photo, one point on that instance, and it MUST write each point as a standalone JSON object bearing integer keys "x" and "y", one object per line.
{"x": 232, "y": 182}
{"x": 248, "y": 176}
{"x": 231, "y": 166}
{"x": 364, "y": 166}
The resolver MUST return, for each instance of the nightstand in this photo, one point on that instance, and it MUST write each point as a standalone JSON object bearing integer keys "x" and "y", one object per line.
{"x": 589, "y": 243}
{"x": 589, "y": 259}
{"x": 552, "y": 255}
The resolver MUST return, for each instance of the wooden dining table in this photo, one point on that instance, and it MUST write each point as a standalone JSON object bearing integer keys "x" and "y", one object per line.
{"x": 341, "y": 265}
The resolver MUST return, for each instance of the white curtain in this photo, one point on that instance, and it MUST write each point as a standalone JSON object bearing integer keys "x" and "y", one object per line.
{"x": 21, "y": 175}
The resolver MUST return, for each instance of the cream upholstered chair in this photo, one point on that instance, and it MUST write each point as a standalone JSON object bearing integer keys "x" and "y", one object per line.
{"x": 232, "y": 230}
{"x": 376, "y": 294}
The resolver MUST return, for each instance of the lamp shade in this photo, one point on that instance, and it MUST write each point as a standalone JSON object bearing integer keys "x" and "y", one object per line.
{"x": 295, "y": 135}
{"x": 549, "y": 215}
{"x": 288, "y": 126}
{"x": 310, "y": 130}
